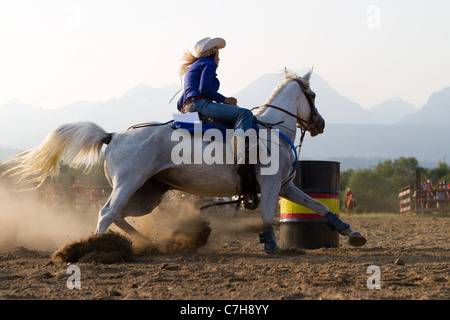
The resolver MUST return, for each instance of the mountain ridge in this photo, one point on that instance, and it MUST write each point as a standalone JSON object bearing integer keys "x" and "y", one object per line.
{"x": 24, "y": 126}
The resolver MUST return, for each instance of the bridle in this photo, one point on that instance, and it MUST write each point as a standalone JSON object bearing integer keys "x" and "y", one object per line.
{"x": 308, "y": 94}
{"x": 300, "y": 121}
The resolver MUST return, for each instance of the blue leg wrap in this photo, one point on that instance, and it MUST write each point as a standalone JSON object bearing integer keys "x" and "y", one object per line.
{"x": 268, "y": 238}
{"x": 335, "y": 222}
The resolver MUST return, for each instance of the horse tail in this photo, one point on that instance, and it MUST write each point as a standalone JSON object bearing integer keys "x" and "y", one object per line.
{"x": 75, "y": 144}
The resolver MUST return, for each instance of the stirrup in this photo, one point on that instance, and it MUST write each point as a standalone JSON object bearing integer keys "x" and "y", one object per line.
{"x": 250, "y": 201}
{"x": 249, "y": 185}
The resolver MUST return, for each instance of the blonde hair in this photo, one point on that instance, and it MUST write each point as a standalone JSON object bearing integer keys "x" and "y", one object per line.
{"x": 189, "y": 59}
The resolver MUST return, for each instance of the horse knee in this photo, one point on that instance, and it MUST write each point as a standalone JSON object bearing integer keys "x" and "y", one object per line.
{"x": 267, "y": 218}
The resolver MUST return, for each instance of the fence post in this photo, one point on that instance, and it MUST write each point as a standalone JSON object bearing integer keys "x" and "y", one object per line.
{"x": 417, "y": 188}
{"x": 404, "y": 200}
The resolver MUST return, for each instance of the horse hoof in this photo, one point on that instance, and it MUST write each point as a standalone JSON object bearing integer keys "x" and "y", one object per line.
{"x": 271, "y": 248}
{"x": 355, "y": 239}
{"x": 268, "y": 238}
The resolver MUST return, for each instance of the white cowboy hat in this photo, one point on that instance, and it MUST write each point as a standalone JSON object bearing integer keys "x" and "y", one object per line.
{"x": 203, "y": 47}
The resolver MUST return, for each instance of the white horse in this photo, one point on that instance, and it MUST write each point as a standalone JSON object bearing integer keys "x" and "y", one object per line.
{"x": 139, "y": 168}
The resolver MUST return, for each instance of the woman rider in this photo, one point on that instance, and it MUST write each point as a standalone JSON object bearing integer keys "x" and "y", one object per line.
{"x": 201, "y": 94}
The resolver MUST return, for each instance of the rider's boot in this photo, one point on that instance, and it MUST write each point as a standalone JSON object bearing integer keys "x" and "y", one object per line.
{"x": 268, "y": 238}
{"x": 247, "y": 173}
{"x": 354, "y": 237}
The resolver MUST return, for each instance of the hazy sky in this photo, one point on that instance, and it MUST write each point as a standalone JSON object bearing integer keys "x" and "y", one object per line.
{"x": 54, "y": 52}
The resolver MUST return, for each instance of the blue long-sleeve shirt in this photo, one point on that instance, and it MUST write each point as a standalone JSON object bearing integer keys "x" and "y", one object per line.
{"x": 201, "y": 80}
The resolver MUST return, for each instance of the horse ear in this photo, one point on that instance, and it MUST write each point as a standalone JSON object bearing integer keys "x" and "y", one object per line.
{"x": 289, "y": 74}
{"x": 307, "y": 76}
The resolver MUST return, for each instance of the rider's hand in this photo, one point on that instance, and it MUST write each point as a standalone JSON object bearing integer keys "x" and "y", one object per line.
{"x": 231, "y": 100}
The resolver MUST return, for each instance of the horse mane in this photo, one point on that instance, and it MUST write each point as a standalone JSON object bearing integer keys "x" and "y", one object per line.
{"x": 288, "y": 77}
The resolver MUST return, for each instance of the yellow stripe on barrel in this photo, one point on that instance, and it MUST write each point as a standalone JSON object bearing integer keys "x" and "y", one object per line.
{"x": 290, "y": 211}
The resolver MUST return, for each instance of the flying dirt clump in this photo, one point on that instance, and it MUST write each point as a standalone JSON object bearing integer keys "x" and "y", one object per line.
{"x": 186, "y": 236}
{"x": 194, "y": 235}
{"x": 109, "y": 247}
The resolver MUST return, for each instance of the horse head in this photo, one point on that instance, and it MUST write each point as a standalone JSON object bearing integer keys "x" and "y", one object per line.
{"x": 315, "y": 124}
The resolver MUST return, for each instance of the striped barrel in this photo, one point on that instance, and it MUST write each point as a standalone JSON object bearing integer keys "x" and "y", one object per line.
{"x": 301, "y": 227}
{"x": 292, "y": 212}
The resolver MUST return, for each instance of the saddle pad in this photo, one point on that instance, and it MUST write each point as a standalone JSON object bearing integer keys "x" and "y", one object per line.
{"x": 190, "y": 127}
{"x": 205, "y": 125}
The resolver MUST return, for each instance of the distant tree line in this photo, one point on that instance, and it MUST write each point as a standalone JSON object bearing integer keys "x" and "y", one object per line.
{"x": 376, "y": 189}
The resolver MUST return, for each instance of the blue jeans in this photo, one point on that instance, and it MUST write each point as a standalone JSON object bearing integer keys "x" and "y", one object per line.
{"x": 241, "y": 118}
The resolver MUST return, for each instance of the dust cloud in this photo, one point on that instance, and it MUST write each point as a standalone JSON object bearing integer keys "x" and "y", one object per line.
{"x": 179, "y": 223}
{"x": 27, "y": 221}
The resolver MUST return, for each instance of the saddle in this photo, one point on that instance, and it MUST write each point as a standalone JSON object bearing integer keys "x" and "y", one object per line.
{"x": 249, "y": 184}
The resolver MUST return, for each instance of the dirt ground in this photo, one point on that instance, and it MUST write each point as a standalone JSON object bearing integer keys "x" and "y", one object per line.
{"x": 412, "y": 253}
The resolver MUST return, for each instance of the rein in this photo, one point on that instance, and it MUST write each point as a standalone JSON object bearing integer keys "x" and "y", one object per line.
{"x": 143, "y": 125}
{"x": 306, "y": 91}
{"x": 302, "y": 129}
{"x": 281, "y": 109}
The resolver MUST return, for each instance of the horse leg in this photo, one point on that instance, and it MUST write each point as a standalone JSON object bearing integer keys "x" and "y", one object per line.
{"x": 269, "y": 200}
{"x": 142, "y": 202}
{"x": 119, "y": 197}
{"x": 290, "y": 192}
{"x": 129, "y": 229}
